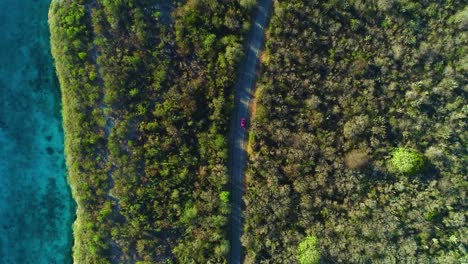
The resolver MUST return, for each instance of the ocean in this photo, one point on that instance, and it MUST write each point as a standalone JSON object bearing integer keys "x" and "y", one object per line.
{"x": 36, "y": 207}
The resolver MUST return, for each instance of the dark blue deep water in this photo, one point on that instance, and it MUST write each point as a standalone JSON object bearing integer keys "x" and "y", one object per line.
{"x": 36, "y": 208}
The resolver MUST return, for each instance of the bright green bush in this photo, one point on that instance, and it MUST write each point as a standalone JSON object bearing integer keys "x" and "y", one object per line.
{"x": 307, "y": 252}
{"x": 406, "y": 161}
{"x": 224, "y": 196}
{"x": 82, "y": 55}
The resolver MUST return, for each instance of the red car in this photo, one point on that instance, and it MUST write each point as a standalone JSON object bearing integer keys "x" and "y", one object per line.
{"x": 242, "y": 122}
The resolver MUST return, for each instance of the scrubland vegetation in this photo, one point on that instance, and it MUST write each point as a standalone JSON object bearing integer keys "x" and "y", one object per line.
{"x": 357, "y": 147}
{"x": 359, "y": 154}
{"x": 146, "y": 89}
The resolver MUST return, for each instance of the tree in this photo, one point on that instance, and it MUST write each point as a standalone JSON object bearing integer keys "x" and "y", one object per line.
{"x": 406, "y": 161}
{"x": 248, "y": 3}
{"x": 307, "y": 252}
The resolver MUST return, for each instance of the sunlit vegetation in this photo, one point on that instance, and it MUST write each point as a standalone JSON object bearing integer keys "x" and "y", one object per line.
{"x": 360, "y": 135}
{"x": 307, "y": 252}
{"x": 406, "y": 161}
{"x": 147, "y": 89}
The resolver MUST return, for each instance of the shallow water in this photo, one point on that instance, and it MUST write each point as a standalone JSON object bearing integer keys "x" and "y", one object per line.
{"x": 36, "y": 208}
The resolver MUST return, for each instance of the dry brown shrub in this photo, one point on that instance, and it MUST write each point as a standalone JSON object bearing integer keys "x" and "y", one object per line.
{"x": 356, "y": 159}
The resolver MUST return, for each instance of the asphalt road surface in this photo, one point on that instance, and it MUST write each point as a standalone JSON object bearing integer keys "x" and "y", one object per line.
{"x": 237, "y": 154}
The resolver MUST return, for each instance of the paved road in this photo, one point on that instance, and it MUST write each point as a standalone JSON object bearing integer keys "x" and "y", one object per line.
{"x": 237, "y": 154}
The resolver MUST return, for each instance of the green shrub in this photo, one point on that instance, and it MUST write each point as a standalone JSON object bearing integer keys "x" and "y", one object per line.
{"x": 224, "y": 196}
{"x": 248, "y": 3}
{"x": 406, "y": 161}
{"x": 307, "y": 252}
{"x": 82, "y": 55}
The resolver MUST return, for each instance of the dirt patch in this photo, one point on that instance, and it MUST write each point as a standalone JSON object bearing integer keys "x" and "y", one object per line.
{"x": 265, "y": 57}
{"x": 253, "y": 111}
{"x": 253, "y": 107}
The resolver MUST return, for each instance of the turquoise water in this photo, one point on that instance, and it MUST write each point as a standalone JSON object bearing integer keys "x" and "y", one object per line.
{"x": 36, "y": 208}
